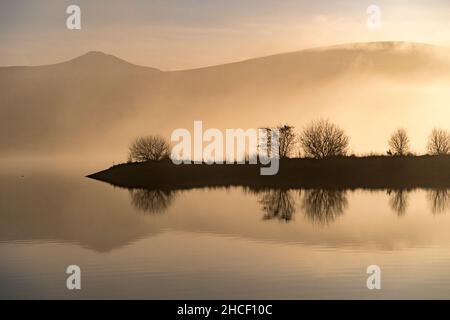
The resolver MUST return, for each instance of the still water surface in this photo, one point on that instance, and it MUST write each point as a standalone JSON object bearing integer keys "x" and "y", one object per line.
{"x": 217, "y": 243}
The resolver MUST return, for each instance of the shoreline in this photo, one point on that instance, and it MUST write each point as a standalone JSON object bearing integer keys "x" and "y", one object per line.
{"x": 373, "y": 172}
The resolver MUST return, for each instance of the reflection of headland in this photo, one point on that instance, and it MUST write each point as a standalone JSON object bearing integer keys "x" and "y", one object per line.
{"x": 398, "y": 201}
{"x": 152, "y": 201}
{"x": 277, "y": 204}
{"x": 320, "y": 206}
{"x": 323, "y": 206}
{"x": 439, "y": 200}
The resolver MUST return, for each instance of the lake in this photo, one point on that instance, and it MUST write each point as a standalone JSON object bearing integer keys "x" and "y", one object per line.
{"x": 230, "y": 243}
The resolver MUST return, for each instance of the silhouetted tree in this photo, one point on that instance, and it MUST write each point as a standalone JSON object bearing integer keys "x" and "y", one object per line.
{"x": 399, "y": 142}
{"x": 267, "y": 144}
{"x": 149, "y": 148}
{"x": 287, "y": 140}
{"x": 323, "y": 139}
{"x": 439, "y": 142}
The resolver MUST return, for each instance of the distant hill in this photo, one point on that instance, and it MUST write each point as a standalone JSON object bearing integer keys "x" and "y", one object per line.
{"x": 98, "y": 102}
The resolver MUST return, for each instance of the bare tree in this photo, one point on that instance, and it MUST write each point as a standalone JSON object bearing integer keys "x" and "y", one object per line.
{"x": 399, "y": 143}
{"x": 323, "y": 139}
{"x": 439, "y": 142}
{"x": 149, "y": 148}
{"x": 287, "y": 140}
{"x": 267, "y": 144}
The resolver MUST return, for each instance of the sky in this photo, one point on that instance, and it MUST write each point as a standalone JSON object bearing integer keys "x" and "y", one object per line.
{"x": 183, "y": 34}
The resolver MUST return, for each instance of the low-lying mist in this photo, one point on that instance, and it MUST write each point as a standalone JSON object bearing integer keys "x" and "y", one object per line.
{"x": 94, "y": 106}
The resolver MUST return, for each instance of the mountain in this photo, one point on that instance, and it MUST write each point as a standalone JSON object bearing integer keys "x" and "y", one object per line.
{"x": 97, "y": 103}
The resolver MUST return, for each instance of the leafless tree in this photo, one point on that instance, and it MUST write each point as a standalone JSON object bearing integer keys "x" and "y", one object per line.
{"x": 323, "y": 139}
{"x": 267, "y": 144}
{"x": 149, "y": 148}
{"x": 439, "y": 142}
{"x": 399, "y": 143}
{"x": 287, "y": 140}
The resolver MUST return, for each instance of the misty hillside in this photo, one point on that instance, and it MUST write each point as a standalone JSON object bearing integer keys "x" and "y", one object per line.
{"x": 99, "y": 103}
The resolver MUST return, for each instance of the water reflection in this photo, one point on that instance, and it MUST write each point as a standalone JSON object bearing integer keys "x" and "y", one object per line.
{"x": 152, "y": 201}
{"x": 278, "y": 204}
{"x": 320, "y": 206}
{"x": 439, "y": 200}
{"x": 398, "y": 201}
{"x": 323, "y": 206}
{"x": 47, "y": 221}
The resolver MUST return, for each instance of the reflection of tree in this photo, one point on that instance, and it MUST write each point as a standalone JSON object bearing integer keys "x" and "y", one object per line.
{"x": 440, "y": 200}
{"x": 323, "y": 206}
{"x": 277, "y": 203}
{"x": 151, "y": 201}
{"x": 398, "y": 200}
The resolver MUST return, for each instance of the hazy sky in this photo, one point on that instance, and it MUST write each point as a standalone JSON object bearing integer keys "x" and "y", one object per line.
{"x": 177, "y": 34}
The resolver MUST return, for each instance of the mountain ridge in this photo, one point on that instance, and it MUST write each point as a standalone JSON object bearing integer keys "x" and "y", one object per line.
{"x": 376, "y": 45}
{"x": 100, "y": 102}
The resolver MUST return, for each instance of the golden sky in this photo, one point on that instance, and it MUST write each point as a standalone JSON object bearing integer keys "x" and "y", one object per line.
{"x": 180, "y": 34}
{"x": 175, "y": 34}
